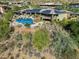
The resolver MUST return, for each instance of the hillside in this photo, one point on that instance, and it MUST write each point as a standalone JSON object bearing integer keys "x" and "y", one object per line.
{"x": 50, "y": 39}
{"x": 60, "y": 44}
{"x": 37, "y": 1}
{"x": 73, "y": 1}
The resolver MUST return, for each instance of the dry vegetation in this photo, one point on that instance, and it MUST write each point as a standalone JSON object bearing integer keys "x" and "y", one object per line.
{"x": 21, "y": 46}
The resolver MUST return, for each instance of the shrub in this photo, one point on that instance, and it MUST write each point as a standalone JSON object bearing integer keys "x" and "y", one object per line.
{"x": 41, "y": 39}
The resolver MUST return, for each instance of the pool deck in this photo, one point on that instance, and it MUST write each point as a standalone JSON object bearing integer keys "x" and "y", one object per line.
{"x": 24, "y": 30}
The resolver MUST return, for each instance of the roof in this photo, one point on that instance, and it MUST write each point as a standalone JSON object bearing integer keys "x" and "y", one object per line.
{"x": 75, "y": 13}
{"x": 31, "y": 11}
{"x": 51, "y": 11}
{"x": 44, "y": 11}
{"x": 74, "y": 3}
{"x": 50, "y": 4}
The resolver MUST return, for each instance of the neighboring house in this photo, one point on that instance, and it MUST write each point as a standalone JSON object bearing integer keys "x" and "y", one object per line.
{"x": 4, "y": 8}
{"x": 3, "y": 3}
{"x": 70, "y": 1}
{"x": 50, "y": 5}
{"x": 74, "y": 5}
{"x": 1, "y": 10}
{"x": 18, "y": 3}
{"x": 1, "y": 13}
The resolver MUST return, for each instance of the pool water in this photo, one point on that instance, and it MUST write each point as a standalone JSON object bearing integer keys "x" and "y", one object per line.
{"x": 25, "y": 20}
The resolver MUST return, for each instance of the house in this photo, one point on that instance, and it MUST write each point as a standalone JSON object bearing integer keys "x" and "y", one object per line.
{"x": 3, "y": 3}
{"x": 4, "y": 8}
{"x": 70, "y": 1}
{"x": 18, "y": 3}
{"x": 48, "y": 14}
{"x": 74, "y": 5}
{"x": 1, "y": 10}
{"x": 50, "y": 4}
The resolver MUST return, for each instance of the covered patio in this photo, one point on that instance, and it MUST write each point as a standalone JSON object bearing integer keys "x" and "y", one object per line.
{"x": 46, "y": 14}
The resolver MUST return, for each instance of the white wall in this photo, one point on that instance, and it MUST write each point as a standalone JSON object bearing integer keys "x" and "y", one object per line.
{"x": 62, "y": 16}
{"x": 1, "y": 10}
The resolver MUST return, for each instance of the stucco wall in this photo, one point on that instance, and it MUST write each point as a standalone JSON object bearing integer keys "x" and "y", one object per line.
{"x": 62, "y": 16}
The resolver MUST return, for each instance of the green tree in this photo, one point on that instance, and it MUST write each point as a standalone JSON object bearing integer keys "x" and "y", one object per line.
{"x": 4, "y": 24}
{"x": 63, "y": 46}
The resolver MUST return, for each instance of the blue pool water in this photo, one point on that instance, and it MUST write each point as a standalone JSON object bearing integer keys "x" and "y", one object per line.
{"x": 25, "y": 20}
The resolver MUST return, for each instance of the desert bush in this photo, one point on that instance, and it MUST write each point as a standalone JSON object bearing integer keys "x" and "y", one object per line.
{"x": 41, "y": 39}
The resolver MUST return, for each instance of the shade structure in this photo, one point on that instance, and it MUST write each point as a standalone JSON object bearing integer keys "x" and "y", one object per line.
{"x": 51, "y": 11}
{"x": 25, "y": 20}
{"x": 43, "y": 11}
{"x": 32, "y": 11}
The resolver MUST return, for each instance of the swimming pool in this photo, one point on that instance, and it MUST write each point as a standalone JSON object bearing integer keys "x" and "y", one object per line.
{"x": 25, "y": 20}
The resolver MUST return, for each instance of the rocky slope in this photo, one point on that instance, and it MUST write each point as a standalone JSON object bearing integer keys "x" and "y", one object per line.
{"x": 22, "y": 49}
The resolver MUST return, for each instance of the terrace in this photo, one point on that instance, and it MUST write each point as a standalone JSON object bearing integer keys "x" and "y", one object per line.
{"x": 33, "y": 18}
{"x": 47, "y": 14}
{"x": 25, "y": 23}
